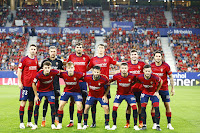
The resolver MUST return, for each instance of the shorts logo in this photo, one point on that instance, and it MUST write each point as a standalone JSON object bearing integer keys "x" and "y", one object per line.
{"x": 63, "y": 93}
{"x": 79, "y": 97}
{"x": 142, "y": 95}
{"x": 167, "y": 97}
{"x": 132, "y": 98}
{"x": 52, "y": 97}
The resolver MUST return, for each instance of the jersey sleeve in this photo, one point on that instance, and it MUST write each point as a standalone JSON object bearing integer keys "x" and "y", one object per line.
{"x": 158, "y": 79}
{"x": 22, "y": 63}
{"x": 169, "y": 72}
{"x": 113, "y": 78}
{"x": 69, "y": 59}
{"x": 112, "y": 61}
{"x": 35, "y": 80}
{"x": 91, "y": 64}
{"x": 55, "y": 72}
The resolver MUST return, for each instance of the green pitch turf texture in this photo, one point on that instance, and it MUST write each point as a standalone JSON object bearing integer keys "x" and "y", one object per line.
{"x": 185, "y": 114}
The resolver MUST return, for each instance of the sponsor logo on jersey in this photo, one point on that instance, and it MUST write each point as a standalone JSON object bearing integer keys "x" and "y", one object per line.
{"x": 32, "y": 67}
{"x": 147, "y": 86}
{"x": 124, "y": 84}
{"x": 102, "y": 65}
{"x": 71, "y": 83}
{"x": 94, "y": 87}
{"x": 135, "y": 72}
{"x": 159, "y": 74}
{"x": 79, "y": 63}
{"x": 47, "y": 82}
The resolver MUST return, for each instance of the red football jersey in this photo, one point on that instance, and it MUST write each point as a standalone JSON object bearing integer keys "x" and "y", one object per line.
{"x": 124, "y": 83}
{"x": 71, "y": 82}
{"x": 29, "y": 69}
{"x": 150, "y": 85}
{"x": 45, "y": 83}
{"x": 103, "y": 62}
{"x": 96, "y": 87}
{"x": 136, "y": 69}
{"x": 162, "y": 71}
{"x": 80, "y": 63}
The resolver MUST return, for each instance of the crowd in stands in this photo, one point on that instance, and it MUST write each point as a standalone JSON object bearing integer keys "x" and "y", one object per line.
{"x": 186, "y": 49}
{"x": 38, "y": 16}
{"x": 12, "y": 48}
{"x": 120, "y": 42}
{"x": 86, "y": 17}
{"x": 4, "y": 12}
{"x": 65, "y": 44}
{"x": 186, "y": 17}
{"x": 149, "y": 17}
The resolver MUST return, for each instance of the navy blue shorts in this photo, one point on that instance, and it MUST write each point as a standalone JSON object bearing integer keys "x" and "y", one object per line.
{"x": 164, "y": 95}
{"x": 145, "y": 98}
{"x": 137, "y": 96}
{"x": 27, "y": 93}
{"x": 83, "y": 87}
{"x": 130, "y": 99}
{"x": 90, "y": 100}
{"x": 66, "y": 95}
{"x": 50, "y": 96}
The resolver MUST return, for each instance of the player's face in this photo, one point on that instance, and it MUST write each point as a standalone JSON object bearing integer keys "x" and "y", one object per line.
{"x": 46, "y": 69}
{"x": 147, "y": 72}
{"x": 101, "y": 49}
{"x": 79, "y": 49}
{"x": 70, "y": 69}
{"x": 158, "y": 57}
{"x": 52, "y": 53}
{"x": 96, "y": 73}
{"x": 134, "y": 56}
{"x": 124, "y": 69}
{"x": 33, "y": 50}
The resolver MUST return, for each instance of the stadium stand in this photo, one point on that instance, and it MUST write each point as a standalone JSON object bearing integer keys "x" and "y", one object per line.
{"x": 4, "y": 12}
{"x": 186, "y": 49}
{"x": 38, "y": 16}
{"x": 12, "y": 47}
{"x": 186, "y": 17}
{"x": 141, "y": 16}
{"x": 85, "y": 17}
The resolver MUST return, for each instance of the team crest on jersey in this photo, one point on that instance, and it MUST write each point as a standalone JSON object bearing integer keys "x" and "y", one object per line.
{"x": 161, "y": 70}
{"x": 51, "y": 77}
{"x": 83, "y": 58}
{"x": 139, "y": 67}
{"x": 75, "y": 78}
{"x": 56, "y": 63}
{"x": 151, "y": 82}
{"x": 129, "y": 80}
{"x": 99, "y": 84}
{"x": 104, "y": 60}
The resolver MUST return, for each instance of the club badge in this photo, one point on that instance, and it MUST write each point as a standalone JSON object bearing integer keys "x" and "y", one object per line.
{"x": 75, "y": 78}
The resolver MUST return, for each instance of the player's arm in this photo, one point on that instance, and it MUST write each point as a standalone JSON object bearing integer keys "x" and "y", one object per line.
{"x": 105, "y": 98}
{"x": 19, "y": 74}
{"x": 158, "y": 88}
{"x": 35, "y": 89}
{"x": 172, "y": 84}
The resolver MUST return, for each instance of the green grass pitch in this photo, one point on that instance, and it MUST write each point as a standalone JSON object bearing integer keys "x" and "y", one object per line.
{"x": 185, "y": 113}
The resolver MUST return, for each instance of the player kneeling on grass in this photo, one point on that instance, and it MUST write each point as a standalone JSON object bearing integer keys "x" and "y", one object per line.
{"x": 124, "y": 82}
{"x": 71, "y": 89}
{"x": 96, "y": 83}
{"x": 151, "y": 84}
{"x": 44, "y": 81}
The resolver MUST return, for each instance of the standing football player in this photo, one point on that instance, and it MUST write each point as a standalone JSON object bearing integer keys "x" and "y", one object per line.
{"x": 27, "y": 70}
{"x": 162, "y": 69}
{"x": 72, "y": 89}
{"x": 124, "y": 82}
{"x": 135, "y": 67}
{"x": 57, "y": 65}
{"x": 104, "y": 62}
{"x": 151, "y": 84}
{"x": 97, "y": 92}
{"x": 80, "y": 61}
{"x": 43, "y": 86}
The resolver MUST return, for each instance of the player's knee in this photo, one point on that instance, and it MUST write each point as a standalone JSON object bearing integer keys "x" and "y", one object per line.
{"x": 23, "y": 103}
{"x": 79, "y": 106}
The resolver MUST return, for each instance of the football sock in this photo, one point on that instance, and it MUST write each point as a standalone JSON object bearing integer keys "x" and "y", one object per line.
{"x": 93, "y": 110}
{"x": 30, "y": 112}
{"x": 21, "y": 113}
{"x": 143, "y": 115}
{"x": 71, "y": 110}
{"x": 79, "y": 115}
{"x": 36, "y": 113}
{"x": 140, "y": 119}
{"x": 134, "y": 108}
{"x": 45, "y": 107}
{"x": 106, "y": 119}
{"x": 56, "y": 106}
{"x": 60, "y": 116}
{"x": 153, "y": 117}
{"x": 128, "y": 118}
{"x": 114, "y": 115}
{"x": 168, "y": 114}
{"x": 85, "y": 119}
{"x": 53, "y": 113}
{"x": 157, "y": 115}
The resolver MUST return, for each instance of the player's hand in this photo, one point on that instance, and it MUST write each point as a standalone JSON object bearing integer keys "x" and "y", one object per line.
{"x": 20, "y": 86}
{"x": 36, "y": 99}
{"x": 172, "y": 92}
{"x": 105, "y": 99}
{"x": 156, "y": 94}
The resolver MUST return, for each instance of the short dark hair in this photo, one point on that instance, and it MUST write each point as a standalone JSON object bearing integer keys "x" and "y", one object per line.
{"x": 147, "y": 66}
{"x": 33, "y": 45}
{"x": 124, "y": 64}
{"x": 47, "y": 63}
{"x": 158, "y": 51}
{"x": 101, "y": 45}
{"x": 70, "y": 63}
{"x": 97, "y": 67}
{"x": 79, "y": 44}
{"x": 52, "y": 47}
{"x": 133, "y": 50}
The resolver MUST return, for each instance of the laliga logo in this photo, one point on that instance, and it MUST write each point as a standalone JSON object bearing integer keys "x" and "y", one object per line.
{"x": 115, "y": 25}
{"x": 67, "y": 30}
{"x": 140, "y": 31}
{"x": 198, "y": 75}
{"x": 13, "y": 29}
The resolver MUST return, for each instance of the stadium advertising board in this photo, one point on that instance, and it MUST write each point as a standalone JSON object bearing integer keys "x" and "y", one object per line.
{"x": 11, "y": 30}
{"x": 123, "y": 25}
{"x": 180, "y": 79}
{"x": 49, "y": 30}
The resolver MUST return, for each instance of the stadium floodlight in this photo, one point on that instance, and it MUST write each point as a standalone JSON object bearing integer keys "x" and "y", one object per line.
{"x": 63, "y": 0}
{"x": 149, "y": 0}
{"x": 136, "y": 0}
{"x": 172, "y": 0}
{"x": 108, "y": 0}
{"x": 114, "y": 0}
{"x": 182, "y": 0}
{"x": 165, "y": 0}
{"x": 124, "y": 0}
